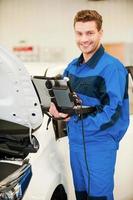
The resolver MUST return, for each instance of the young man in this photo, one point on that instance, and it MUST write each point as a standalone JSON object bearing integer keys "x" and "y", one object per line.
{"x": 99, "y": 80}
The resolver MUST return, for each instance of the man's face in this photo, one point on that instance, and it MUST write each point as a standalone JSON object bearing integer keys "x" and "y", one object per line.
{"x": 87, "y": 36}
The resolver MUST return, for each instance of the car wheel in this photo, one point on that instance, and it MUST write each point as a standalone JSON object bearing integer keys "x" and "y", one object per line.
{"x": 59, "y": 193}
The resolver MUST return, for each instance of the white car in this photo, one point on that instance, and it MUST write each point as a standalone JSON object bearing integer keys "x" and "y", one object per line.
{"x": 34, "y": 161}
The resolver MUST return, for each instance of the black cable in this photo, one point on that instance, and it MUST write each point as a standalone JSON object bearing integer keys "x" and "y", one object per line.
{"x": 85, "y": 153}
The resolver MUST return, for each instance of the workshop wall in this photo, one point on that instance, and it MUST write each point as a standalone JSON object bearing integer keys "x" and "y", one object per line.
{"x": 49, "y": 24}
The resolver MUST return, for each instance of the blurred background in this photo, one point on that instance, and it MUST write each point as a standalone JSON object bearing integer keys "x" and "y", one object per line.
{"x": 40, "y": 33}
{"x": 46, "y": 27}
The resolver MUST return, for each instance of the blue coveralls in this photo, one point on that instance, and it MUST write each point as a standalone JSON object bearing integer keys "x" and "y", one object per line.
{"x": 100, "y": 82}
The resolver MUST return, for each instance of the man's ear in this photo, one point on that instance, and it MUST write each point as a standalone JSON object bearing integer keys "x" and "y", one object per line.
{"x": 101, "y": 32}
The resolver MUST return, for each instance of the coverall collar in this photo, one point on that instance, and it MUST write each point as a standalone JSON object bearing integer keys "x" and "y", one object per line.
{"x": 92, "y": 62}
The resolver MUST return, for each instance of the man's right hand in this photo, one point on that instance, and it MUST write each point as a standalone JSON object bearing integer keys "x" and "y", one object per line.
{"x": 54, "y": 112}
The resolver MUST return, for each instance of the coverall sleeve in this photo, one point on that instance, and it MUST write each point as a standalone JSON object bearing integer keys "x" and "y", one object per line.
{"x": 116, "y": 86}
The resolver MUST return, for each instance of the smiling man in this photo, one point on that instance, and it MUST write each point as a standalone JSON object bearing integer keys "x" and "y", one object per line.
{"x": 101, "y": 81}
{"x": 88, "y": 36}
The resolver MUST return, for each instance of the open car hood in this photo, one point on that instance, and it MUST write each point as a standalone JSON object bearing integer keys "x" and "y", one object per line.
{"x": 18, "y": 100}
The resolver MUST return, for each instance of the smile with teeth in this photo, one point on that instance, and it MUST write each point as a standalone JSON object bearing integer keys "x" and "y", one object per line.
{"x": 85, "y": 45}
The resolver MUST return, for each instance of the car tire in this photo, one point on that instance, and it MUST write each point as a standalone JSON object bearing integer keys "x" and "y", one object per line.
{"x": 59, "y": 193}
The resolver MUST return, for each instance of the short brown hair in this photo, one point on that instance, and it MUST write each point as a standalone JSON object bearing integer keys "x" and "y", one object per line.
{"x": 89, "y": 15}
